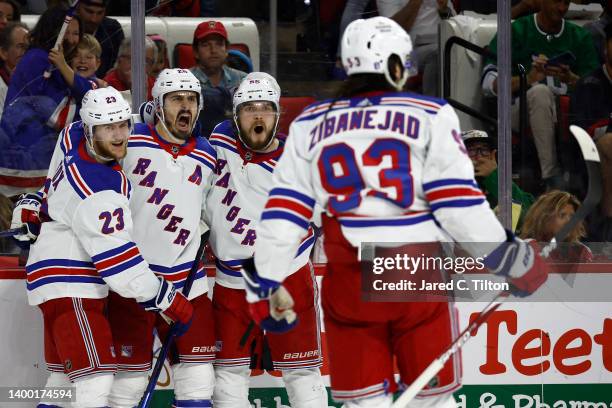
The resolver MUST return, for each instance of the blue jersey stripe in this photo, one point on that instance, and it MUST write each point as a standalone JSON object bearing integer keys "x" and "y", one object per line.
{"x": 112, "y": 252}
{"x": 59, "y": 262}
{"x": 293, "y": 194}
{"x": 457, "y": 203}
{"x": 449, "y": 182}
{"x": 122, "y": 267}
{"x": 282, "y": 215}
{"x": 65, "y": 279}
{"x": 369, "y": 222}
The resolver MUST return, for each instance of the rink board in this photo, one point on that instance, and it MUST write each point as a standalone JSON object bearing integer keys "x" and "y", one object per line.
{"x": 502, "y": 366}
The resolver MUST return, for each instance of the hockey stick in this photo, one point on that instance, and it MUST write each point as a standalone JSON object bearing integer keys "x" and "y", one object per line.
{"x": 163, "y": 352}
{"x": 14, "y": 231}
{"x": 62, "y": 33}
{"x": 591, "y": 158}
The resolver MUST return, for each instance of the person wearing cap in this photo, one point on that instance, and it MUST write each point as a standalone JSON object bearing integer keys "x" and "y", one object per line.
{"x": 481, "y": 150}
{"x": 107, "y": 31}
{"x": 210, "y": 49}
{"x": 210, "y": 44}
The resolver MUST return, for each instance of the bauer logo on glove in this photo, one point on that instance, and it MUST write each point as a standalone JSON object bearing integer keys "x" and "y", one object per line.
{"x": 26, "y": 214}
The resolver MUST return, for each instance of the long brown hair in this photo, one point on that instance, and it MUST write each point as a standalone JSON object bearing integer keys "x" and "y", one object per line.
{"x": 541, "y": 212}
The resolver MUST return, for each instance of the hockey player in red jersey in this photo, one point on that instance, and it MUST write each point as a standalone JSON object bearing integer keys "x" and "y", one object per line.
{"x": 247, "y": 152}
{"x": 85, "y": 247}
{"x": 386, "y": 166}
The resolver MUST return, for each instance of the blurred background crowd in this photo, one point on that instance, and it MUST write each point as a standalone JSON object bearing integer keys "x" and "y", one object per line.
{"x": 564, "y": 47}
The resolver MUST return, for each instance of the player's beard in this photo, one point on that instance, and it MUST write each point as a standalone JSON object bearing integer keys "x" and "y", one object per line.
{"x": 252, "y": 136}
{"x": 110, "y": 152}
{"x": 182, "y": 125}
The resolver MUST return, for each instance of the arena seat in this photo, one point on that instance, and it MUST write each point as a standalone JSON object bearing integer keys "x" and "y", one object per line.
{"x": 291, "y": 107}
{"x": 182, "y": 56}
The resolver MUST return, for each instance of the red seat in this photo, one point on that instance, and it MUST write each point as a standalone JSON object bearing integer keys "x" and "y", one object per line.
{"x": 291, "y": 107}
{"x": 183, "y": 54}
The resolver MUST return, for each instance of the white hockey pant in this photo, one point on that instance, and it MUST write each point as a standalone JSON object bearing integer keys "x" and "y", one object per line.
{"x": 305, "y": 388}
{"x": 89, "y": 392}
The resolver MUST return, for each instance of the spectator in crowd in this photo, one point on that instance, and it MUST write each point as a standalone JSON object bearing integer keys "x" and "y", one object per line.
{"x": 37, "y": 105}
{"x": 547, "y": 216}
{"x": 535, "y": 39}
{"x": 210, "y": 44}
{"x": 81, "y": 72}
{"x": 161, "y": 61}
{"x": 120, "y": 77}
{"x": 107, "y": 31}
{"x": 9, "y": 11}
{"x": 87, "y": 59}
{"x": 481, "y": 150}
{"x": 14, "y": 42}
{"x": 598, "y": 28}
{"x": 28, "y": 78}
{"x": 591, "y": 101}
{"x": 421, "y": 18}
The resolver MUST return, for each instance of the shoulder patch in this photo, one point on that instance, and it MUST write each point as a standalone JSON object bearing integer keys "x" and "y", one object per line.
{"x": 71, "y": 136}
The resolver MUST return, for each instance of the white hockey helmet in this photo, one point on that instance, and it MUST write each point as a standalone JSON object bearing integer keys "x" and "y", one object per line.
{"x": 172, "y": 80}
{"x": 103, "y": 106}
{"x": 257, "y": 87}
{"x": 368, "y": 44}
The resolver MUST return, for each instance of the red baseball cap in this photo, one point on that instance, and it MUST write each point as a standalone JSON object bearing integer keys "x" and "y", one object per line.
{"x": 207, "y": 28}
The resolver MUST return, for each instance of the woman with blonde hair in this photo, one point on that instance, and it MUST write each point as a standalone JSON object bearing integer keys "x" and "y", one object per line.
{"x": 547, "y": 216}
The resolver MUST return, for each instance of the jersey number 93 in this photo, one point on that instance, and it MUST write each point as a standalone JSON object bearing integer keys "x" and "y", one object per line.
{"x": 342, "y": 174}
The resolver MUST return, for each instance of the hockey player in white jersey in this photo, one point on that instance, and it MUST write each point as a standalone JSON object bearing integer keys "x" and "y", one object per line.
{"x": 86, "y": 246}
{"x": 247, "y": 152}
{"x": 170, "y": 170}
{"x": 386, "y": 166}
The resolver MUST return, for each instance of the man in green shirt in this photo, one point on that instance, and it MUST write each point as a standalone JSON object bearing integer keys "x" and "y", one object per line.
{"x": 481, "y": 150}
{"x": 536, "y": 40}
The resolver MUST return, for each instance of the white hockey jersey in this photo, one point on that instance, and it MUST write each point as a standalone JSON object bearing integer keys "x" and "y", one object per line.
{"x": 85, "y": 244}
{"x": 233, "y": 207}
{"x": 390, "y": 167}
{"x": 170, "y": 183}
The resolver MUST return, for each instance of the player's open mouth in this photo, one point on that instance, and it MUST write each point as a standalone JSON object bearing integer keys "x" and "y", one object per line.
{"x": 82, "y": 68}
{"x": 183, "y": 120}
{"x": 258, "y": 129}
{"x": 118, "y": 144}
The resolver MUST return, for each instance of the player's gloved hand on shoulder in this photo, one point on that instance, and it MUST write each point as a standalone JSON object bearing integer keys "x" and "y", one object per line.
{"x": 147, "y": 112}
{"x": 172, "y": 305}
{"x": 520, "y": 262}
{"x": 26, "y": 214}
{"x": 270, "y": 304}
